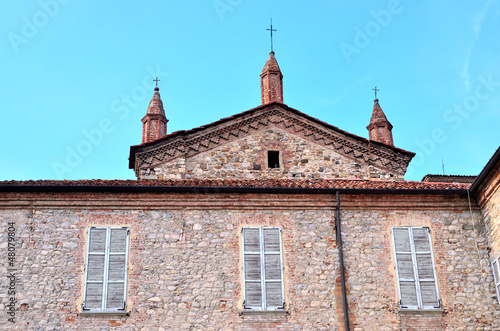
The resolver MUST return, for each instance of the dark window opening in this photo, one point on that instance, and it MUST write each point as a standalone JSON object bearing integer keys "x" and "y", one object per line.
{"x": 273, "y": 159}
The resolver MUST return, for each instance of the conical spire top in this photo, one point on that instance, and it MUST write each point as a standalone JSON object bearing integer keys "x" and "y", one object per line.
{"x": 271, "y": 64}
{"x": 378, "y": 115}
{"x": 156, "y": 105}
{"x": 380, "y": 129}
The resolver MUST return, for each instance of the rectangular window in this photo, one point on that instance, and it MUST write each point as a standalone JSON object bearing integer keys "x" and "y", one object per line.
{"x": 415, "y": 269}
{"x": 106, "y": 269}
{"x": 496, "y": 274}
{"x": 273, "y": 159}
{"x": 263, "y": 287}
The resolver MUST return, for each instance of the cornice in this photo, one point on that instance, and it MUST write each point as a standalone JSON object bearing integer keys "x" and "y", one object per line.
{"x": 231, "y": 201}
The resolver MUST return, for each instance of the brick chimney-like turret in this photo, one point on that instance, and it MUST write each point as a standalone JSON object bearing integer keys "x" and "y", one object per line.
{"x": 379, "y": 128}
{"x": 271, "y": 81}
{"x": 154, "y": 124}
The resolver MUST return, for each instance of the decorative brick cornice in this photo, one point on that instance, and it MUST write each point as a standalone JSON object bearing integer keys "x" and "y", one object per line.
{"x": 190, "y": 143}
{"x": 242, "y": 201}
{"x": 256, "y": 194}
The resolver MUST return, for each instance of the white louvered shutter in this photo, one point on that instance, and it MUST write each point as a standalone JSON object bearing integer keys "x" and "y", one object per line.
{"x": 117, "y": 268}
{"x": 252, "y": 268}
{"x": 95, "y": 269}
{"x": 262, "y": 268}
{"x": 273, "y": 268}
{"x": 404, "y": 268}
{"x": 415, "y": 268}
{"x": 425, "y": 268}
{"x": 106, "y": 269}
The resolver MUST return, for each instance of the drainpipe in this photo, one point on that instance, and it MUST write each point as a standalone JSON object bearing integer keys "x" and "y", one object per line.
{"x": 341, "y": 258}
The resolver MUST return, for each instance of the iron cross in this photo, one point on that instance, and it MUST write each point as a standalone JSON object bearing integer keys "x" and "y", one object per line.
{"x": 375, "y": 89}
{"x": 271, "y": 29}
{"x": 156, "y": 80}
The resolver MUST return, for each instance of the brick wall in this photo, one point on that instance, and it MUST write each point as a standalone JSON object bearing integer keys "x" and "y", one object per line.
{"x": 418, "y": 322}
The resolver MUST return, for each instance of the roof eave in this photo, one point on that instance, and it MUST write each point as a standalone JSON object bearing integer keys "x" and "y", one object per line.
{"x": 495, "y": 159}
{"x": 216, "y": 189}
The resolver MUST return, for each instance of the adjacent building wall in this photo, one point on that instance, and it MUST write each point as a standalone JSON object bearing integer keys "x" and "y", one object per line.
{"x": 489, "y": 200}
{"x": 464, "y": 275}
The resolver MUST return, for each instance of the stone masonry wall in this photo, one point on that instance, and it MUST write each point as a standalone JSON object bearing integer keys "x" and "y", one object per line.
{"x": 464, "y": 274}
{"x": 185, "y": 271}
{"x": 247, "y": 159}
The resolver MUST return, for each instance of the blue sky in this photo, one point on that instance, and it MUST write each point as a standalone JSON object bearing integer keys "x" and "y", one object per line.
{"x": 76, "y": 76}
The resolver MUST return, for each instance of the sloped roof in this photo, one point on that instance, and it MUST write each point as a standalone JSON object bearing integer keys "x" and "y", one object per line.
{"x": 449, "y": 178}
{"x": 206, "y": 137}
{"x": 256, "y": 185}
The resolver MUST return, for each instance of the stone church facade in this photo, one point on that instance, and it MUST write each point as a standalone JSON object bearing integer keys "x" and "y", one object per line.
{"x": 267, "y": 220}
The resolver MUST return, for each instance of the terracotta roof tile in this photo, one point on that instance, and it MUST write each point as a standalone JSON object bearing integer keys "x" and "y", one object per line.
{"x": 240, "y": 183}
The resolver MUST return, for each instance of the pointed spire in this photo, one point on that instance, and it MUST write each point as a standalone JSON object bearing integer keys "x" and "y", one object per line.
{"x": 154, "y": 124}
{"x": 380, "y": 129}
{"x": 271, "y": 81}
{"x": 156, "y": 105}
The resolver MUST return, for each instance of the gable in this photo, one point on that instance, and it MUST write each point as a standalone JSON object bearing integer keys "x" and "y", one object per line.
{"x": 249, "y": 158}
{"x": 183, "y": 145}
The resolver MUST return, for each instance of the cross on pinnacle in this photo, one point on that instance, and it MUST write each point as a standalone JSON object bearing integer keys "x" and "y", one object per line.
{"x": 156, "y": 80}
{"x": 375, "y": 89}
{"x": 271, "y": 29}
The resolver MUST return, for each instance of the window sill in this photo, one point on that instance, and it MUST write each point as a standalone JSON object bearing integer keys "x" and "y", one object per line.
{"x": 264, "y": 312}
{"x": 96, "y": 314}
{"x": 421, "y": 311}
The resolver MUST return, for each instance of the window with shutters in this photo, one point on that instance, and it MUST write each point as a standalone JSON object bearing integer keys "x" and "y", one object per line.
{"x": 496, "y": 274}
{"x": 263, "y": 287}
{"x": 415, "y": 269}
{"x": 106, "y": 269}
